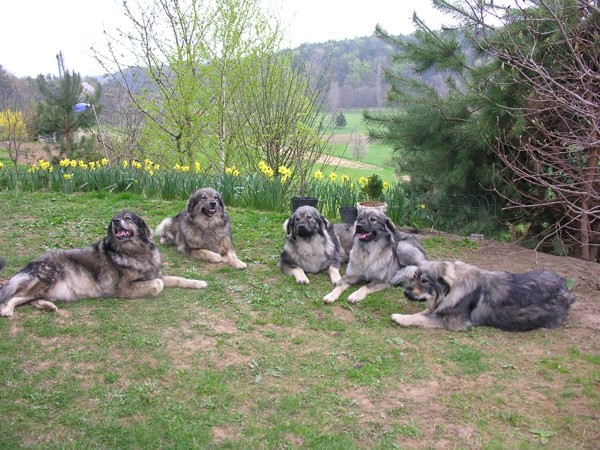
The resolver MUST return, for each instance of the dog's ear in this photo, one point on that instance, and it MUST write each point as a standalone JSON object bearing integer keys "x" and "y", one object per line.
{"x": 323, "y": 223}
{"x": 221, "y": 202}
{"x": 145, "y": 231}
{"x": 192, "y": 202}
{"x": 288, "y": 225}
{"x": 390, "y": 225}
{"x": 446, "y": 275}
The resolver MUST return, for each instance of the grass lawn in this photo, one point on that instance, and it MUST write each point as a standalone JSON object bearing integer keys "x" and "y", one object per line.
{"x": 258, "y": 361}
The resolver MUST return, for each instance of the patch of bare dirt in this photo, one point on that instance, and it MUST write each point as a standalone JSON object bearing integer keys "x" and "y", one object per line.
{"x": 341, "y": 162}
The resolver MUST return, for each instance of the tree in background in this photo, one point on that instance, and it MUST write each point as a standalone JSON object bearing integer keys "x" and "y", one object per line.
{"x": 16, "y": 114}
{"x": 520, "y": 116}
{"x": 56, "y": 113}
{"x": 359, "y": 147}
{"x": 340, "y": 120}
{"x": 282, "y": 116}
{"x": 187, "y": 62}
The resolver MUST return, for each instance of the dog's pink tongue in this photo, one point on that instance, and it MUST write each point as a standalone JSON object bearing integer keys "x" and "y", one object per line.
{"x": 363, "y": 235}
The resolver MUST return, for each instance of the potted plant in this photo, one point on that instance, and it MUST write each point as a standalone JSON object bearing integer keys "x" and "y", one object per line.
{"x": 348, "y": 197}
{"x": 373, "y": 190}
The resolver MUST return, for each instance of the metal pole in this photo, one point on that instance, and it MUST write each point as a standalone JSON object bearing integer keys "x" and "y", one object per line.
{"x": 100, "y": 133}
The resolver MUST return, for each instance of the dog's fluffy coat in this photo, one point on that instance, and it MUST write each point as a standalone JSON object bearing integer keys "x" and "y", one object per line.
{"x": 459, "y": 295}
{"x": 202, "y": 230}
{"x": 378, "y": 256}
{"x": 311, "y": 246}
{"x": 126, "y": 264}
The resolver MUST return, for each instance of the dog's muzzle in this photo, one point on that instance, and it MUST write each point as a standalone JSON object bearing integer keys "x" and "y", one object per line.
{"x": 119, "y": 231}
{"x": 212, "y": 208}
{"x": 363, "y": 234}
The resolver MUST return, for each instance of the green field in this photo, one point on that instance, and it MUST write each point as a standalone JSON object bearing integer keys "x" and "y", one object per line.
{"x": 257, "y": 361}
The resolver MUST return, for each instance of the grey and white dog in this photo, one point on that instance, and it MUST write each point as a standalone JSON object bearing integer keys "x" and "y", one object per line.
{"x": 202, "y": 230}
{"x": 459, "y": 295}
{"x": 125, "y": 264}
{"x": 311, "y": 246}
{"x": 379, "y": 255}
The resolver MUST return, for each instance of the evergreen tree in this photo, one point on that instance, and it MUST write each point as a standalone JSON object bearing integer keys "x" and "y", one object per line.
{"x": 56, "y": 113}
{"x": 519, "y": 116}
{"x": 340, "y": 120}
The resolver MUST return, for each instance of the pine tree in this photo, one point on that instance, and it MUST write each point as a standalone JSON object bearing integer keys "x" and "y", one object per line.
{"x": 519, "y": 116}
{"x": 56, "y": 113}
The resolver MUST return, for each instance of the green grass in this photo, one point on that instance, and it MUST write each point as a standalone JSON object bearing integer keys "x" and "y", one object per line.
{"x": 257, "y": 361}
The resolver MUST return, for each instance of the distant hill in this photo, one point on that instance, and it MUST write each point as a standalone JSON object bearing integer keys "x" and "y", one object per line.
{"x": 358, "y": 71}
{"x": 357, "y": 65}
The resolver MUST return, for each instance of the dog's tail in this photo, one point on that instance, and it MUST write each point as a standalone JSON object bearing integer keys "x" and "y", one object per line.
{"x": 163, "y": 231}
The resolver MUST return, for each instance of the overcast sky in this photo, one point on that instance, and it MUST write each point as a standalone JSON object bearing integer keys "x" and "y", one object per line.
{"x": 32, "y": 32}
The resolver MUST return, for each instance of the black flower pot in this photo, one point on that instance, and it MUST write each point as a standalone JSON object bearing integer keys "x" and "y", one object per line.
{"x": 297, "y": 202}
{"x": 349, "y": 214}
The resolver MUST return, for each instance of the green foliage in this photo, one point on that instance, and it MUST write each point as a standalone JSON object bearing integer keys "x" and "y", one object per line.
{"x": 56, "y": 113}
{"x": 340, "y": 120}
{"x": 373, "y": 188}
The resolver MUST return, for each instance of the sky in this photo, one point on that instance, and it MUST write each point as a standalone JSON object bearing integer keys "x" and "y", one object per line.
{"x": 33, "y": 32}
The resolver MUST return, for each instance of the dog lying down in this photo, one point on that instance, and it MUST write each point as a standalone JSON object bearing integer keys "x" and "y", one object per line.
{"x": 312, "y": 245}
{"x": 459, "y": 295}
{"x": 202, "y": 230}
{"x": 125, "y": 264}
{"x": 378, "y": 256}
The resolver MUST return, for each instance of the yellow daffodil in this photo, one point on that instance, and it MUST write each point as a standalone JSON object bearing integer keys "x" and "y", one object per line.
{"x": 67, "y": 176}
{"x": 266, "y": 169}
{"x": 318, "y": 175}
{"x": 345, "y": 178}
{"x": 233, "y": 170}
{"x": 197, "y": 167}
{"x": 332, "y": 176}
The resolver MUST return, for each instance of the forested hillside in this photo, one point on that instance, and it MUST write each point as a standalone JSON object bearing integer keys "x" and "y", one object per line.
{"x": 358, "y": 67}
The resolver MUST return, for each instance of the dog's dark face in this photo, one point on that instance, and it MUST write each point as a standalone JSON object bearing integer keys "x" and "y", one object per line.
{"x": 430, "y": 283}
{"x": 372, "y": 224}
{"x": 127, "y": 227}
{"x": 205, "y": 201}
{"x": 305, "y": 222}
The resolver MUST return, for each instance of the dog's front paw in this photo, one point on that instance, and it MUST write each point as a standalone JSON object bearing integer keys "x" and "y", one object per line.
{"x": 302, "y": 279}
{"x": 400, "y": 319}
{"x": 330, "y": 298}
{"x": 237, "y": 264}
{"x": 356, "y": 297}
{"x": 45, "y": 305}
{"x": 6, "y": 311}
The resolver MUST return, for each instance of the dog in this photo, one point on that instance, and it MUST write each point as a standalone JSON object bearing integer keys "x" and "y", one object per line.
{"x": 125, "y": 264}
{"x": 459, "y": 295}
{"x": 311, "y": 246}
{"x": 379, "y": 255}
{"x": 203, "y": 230}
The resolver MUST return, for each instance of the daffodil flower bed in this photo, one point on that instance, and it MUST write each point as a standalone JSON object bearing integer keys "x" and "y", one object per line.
{"x": 265, "y": 189}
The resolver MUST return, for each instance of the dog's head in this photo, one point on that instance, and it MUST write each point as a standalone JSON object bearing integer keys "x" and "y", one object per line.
{"x": 373, "y": 224}
{"x": 306, "y": 221}
{"x": 127, "y": 227}
{"x": 431, "y": 282}
{"x": 205, "y": 201}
